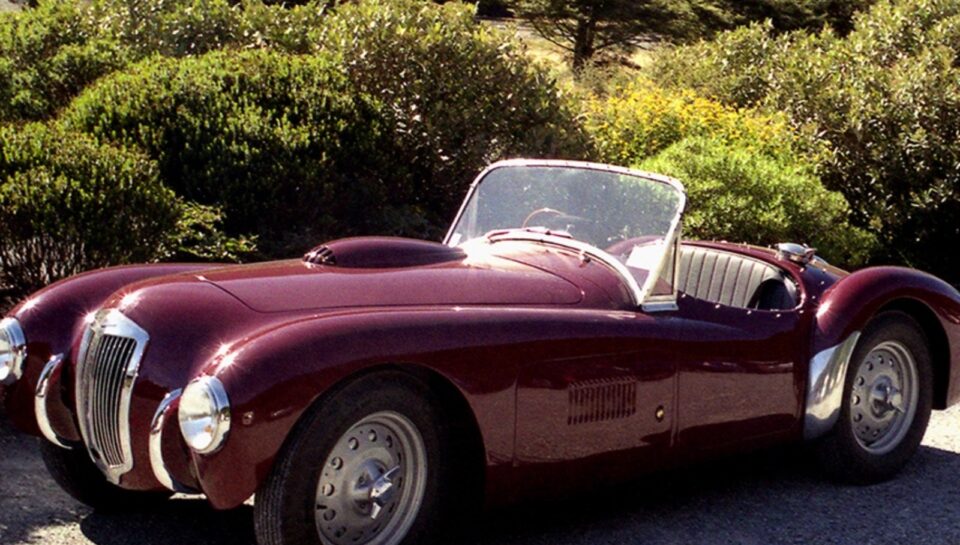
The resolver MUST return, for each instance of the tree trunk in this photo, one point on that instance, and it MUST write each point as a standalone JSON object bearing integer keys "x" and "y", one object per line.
{"x": 583, "y": 42}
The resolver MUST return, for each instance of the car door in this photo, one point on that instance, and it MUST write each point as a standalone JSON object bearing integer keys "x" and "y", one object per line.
{"x": 738, "y": 375}
{"x": 601, "y": 406}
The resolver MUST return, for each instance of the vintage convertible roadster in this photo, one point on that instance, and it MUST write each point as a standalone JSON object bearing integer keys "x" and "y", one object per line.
{"x": 563, "y": 336}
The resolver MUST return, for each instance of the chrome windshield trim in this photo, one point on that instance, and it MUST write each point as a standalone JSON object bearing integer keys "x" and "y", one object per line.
{"x": 571, "y": 244}
{"x": 49, "y": 377}
{"x": 638, "y": 293}
{"x": 111, "y": 322}
{"x": 167, "y": 408}
{"x": 828, "y": 373}
{"x": 673, "y": 182}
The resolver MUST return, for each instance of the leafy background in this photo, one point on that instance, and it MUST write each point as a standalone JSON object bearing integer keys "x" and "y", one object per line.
{"x": 139, "y": 130}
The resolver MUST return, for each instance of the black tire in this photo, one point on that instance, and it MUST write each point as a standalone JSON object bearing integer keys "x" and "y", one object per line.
{"x": 840, "y": 453}
{"x": 77, "y": 475}
{"x": 285, "y": 510}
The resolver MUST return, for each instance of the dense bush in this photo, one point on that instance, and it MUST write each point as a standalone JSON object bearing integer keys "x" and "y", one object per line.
{"x": 70, "y": 204}
{"x": 749, "y": 177}
{"x": 886, "y": 98}
{"x": 737, "y": 194}
{"x": 279, "y": 141}
{"x": 48, "y": 54}
{"x": 457, "y": 95}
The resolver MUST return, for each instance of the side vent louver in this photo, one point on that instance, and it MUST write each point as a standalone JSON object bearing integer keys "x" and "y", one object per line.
{"x": 321, "y": 255}
{"x": 601, "y": 399}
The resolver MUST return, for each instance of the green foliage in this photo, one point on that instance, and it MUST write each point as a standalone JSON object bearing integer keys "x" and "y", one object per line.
{"x": 749, "y": 176}
{"x": 456, "y": 95}
{"x": 70, "y": 204}
{"x": 740, "y": 195}
{"x": 886, "y": 99}
{"x": 272, "y": 138}
{"x": 47, "y": 54}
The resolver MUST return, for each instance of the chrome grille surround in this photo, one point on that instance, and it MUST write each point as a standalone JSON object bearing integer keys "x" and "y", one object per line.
{"x": 107, "y": 367}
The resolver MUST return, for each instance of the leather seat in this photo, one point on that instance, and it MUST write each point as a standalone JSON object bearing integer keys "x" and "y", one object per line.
{"x": 734, "y": 280}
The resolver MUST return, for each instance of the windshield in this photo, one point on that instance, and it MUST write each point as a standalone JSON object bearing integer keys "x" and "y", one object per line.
{"x": 627, "y": 215}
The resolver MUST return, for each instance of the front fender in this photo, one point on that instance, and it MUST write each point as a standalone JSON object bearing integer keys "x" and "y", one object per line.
{"x": 52, "y": 319}
{"x": 846, "y": 309}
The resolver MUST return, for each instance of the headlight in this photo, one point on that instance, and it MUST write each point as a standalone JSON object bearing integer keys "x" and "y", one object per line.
{"x": 204, "y": 414}
{"x": 13, "y": 350}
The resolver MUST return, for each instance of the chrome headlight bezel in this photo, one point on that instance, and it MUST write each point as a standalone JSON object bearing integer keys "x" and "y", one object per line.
{"x": 13, "y": 351}
{"x": 204, "y": 415}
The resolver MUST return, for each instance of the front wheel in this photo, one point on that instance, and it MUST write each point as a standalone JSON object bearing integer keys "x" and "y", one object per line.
{"x": 363, "y": 467}
{"x": 888, "y": 396}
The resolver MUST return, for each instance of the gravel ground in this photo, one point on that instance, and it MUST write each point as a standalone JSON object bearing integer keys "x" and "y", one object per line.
{"x": 773, "y": 497}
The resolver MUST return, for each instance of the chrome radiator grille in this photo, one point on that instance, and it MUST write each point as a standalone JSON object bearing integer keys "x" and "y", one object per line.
{"x": 107, "y": 368}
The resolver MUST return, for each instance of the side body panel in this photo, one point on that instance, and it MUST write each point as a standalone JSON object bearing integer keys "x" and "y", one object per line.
{"x": 740, "y": 374}
{"x": 274, "y": 377}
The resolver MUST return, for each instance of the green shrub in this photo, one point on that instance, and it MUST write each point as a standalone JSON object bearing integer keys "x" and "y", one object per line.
{"x": 178, "y": 28}
{"x": 457, "y": 95}
{"x": 70, "y": 204}
{"x": 887, "y": 101}
{"x": 739, "y": 195}
{"x": 750, "y": 177}
{"x": 279, "y": 141}
{"x": 47, "y": 54}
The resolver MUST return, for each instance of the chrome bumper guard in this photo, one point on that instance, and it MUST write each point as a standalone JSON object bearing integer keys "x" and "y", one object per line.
{"x": 49, "y": 379}
{"x": 166, "y": 410}
{"x": 828, "y": 372}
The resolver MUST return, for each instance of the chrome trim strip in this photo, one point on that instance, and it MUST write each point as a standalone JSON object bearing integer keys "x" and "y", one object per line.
{"x": 19, "y": 346}
{"x": 111, "y": 322}
{"x": 572, "y": 244}
{"x": 49, "y": 376}
{"x": 828, "y": 372}
{"x": 167, "y": 408}
{"x": 661, "y": 306}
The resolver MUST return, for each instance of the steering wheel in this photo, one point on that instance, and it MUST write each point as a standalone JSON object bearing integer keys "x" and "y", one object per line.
{"x": 540, "y": 211}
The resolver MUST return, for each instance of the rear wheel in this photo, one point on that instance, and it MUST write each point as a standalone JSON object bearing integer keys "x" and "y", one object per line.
{"x": 369, "y": 465}
{"x": 78, "y": 476}
{"x": 888, "y": 396}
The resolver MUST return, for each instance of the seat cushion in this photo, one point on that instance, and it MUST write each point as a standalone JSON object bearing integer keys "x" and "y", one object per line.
{"x": 733, "y": 280}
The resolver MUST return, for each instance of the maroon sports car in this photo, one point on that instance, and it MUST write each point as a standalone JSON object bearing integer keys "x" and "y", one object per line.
{"x": 376, "y": 387}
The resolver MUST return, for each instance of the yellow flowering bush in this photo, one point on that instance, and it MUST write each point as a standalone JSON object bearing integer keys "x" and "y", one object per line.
{"x": 640, "y": 120}
{"x": 749, "y": 176}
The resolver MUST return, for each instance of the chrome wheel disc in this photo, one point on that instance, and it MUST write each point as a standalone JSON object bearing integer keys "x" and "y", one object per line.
{"x": 884, "y": 397}
{"x": 372, "y": 483}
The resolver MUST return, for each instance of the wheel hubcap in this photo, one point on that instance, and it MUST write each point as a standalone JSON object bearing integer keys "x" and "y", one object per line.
{"x": 884, "y": 397}
{"x": 372, "y": 483}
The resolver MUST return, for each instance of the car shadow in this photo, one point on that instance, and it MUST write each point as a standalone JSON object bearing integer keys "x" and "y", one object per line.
{"x": 775, "y": 496}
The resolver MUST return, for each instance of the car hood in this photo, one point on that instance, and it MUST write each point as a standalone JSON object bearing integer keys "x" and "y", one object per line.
{"x": 290, "y": 286}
